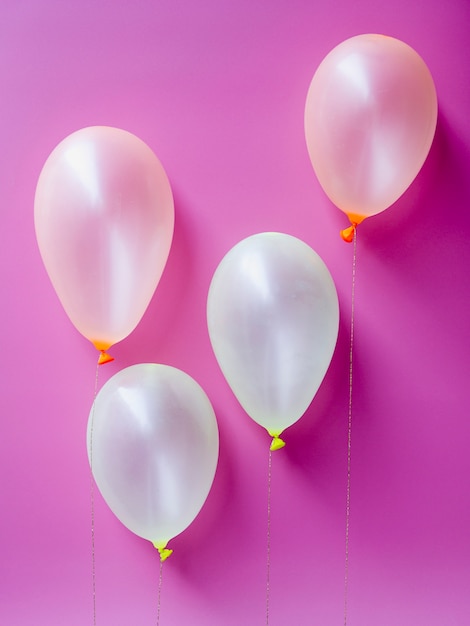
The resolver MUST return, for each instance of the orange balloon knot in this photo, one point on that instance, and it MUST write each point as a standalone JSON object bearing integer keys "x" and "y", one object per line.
{"x": 104, "y": 357}
{"x": 163, "y": 551}
{"x": 347, "y": 234}
{"x": 277, "y": 443}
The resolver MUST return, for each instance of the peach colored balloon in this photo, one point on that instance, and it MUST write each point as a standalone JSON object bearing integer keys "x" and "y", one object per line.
{"x": 104, "y": 220}
{"x": 370, "y": 119}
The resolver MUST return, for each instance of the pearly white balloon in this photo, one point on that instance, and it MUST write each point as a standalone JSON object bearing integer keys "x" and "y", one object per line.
{"x": 273, "y": 316}
{"x": 153, "y": 446}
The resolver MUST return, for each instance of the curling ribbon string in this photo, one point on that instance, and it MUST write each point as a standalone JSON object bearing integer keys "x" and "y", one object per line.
{"x": 268, "y": 538}
{"x": 164, "y": 553}
{"x": 159, "y": 600}
{"x": 92, "y": 495}
{"x": 276, "y": 444}
{"x": 348, "y": 481}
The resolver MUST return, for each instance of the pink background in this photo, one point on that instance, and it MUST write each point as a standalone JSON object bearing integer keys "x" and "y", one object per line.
{"x": 217, "y": 89}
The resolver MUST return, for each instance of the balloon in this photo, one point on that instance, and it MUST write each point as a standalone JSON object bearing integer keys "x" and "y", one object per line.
{"x": 272, "y": 315}
{"x": 370, "y": 118}
{"x": 104, "y": 221}
{"x": 153, "y": 447}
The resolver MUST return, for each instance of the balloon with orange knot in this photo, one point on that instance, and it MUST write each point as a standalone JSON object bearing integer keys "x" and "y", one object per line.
{"x": 370, "y": 119}
{"x": 104, "y": 218}
{"x": 347, "y": 234}
{"x": 104, "y": 356}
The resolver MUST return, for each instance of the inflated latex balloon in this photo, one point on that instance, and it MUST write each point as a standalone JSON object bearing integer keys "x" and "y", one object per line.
{"x": 370, "y": 119}
{"x": 272, "y": 315}
{"x": 153, "y": 447}
{"x": 104, "y": 221}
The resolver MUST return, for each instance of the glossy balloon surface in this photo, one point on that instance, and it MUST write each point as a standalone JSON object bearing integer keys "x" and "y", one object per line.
{"x": 153, "y": 446}
{"x": 370, "y": 119}
{"x": 272, "y": 315}
{"x": 104, "y": 221}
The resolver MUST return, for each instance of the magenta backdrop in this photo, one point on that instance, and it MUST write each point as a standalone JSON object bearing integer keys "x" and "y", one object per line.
{"x": 217, "y": 89}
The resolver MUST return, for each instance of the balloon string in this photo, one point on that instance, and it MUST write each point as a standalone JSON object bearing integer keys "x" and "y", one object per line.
{"x": 348, "y": 482}
{"x": 268, "y": 539}
{"x": 92, "y": 496}
{"x": 160, "y": 579}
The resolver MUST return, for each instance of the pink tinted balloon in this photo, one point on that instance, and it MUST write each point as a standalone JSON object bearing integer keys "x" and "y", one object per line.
{"x": 370, "y": 119}
{"x": 153, "y": 445}
{"x": 104, "y": 220}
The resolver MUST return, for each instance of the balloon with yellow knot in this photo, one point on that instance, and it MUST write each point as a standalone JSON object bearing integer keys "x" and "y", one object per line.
{"x": 272, "y": 314}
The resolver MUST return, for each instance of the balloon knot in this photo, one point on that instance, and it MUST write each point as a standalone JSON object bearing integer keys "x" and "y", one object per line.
{"x": 163, "y": 551}
{"x": 347, "y": 234}
{"x": 277, "y": 443}
{"x": 104, "y": 357}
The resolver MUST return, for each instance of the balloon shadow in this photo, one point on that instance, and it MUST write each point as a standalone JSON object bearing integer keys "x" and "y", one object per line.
{"x": 422, "y": 242}
{"x": 316, "y": 444}
{"x": 152, "y": 339}
{"x": 420, "y": 215}
{"x": 224, "y": 513}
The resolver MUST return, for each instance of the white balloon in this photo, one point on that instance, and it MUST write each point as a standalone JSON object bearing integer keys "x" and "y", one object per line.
{"x": 153, "y": 445}
{"x": 273, "y": 316}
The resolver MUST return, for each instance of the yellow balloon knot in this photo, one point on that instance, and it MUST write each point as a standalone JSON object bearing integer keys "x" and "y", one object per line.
{"x": 164, "y": 554}
{"x": 277, "y": 443}
{"x": 163, "y": 551}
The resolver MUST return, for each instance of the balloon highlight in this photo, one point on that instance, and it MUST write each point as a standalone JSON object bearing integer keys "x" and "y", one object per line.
{"x": 104, "y": 219}
{"x": 370, "y": 119}
{"x": 273, "y": 315}
{"x": 153, "y": 447}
